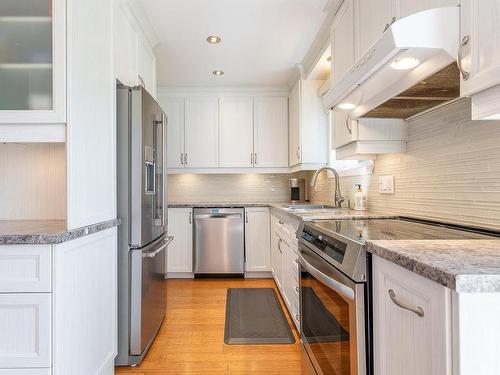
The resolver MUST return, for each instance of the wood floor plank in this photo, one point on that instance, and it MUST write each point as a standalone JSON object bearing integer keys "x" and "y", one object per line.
{"x": 191, "y": 340}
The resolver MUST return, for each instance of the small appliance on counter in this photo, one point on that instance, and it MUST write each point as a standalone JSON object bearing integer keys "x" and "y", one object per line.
{"x": 297, "y": 190}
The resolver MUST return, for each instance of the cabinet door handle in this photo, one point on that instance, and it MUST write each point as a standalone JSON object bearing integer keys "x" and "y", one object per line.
{"x": 297, "y": 316}
{"x": 182, "y": 158}
{"x": 347, "y": 121}
{"x": 280, "y": 222}
{"x": 465, "y": 74}
{"x": 185, "y": 158}
{"x": 415, "y": 309}
{"x": 297, "y": 289}
{"x": 251, "y": 158}
{"x": 246, "y": 217}
{"x": 255, "y": 158}
{"x": 191, "y": 217}
{"x": 387, "y": 25}
{"x": 279, "y": 246}
{"x": 297, "y": 260}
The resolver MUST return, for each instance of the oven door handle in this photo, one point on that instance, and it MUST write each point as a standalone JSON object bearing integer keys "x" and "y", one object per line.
{"x": 340, "y": 288}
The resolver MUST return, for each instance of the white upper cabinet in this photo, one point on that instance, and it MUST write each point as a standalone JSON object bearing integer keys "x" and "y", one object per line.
{"x": 236, "y": 131}
{"x": 174, "y": 109}
{"x": 32, "y": 62}
{"x": 371, "y": 20}
{"x": 126, "y": 45}
{"x": 405, "y": 8}
{"x": 201, "y": 132}
{"x": 147, "y": 67}
{"x": 270, "y": 132}
{"x": 343, "y": 47}
{"x": 308, "y": 126}
{"x": 479, "y": 54}
{"x": 294, "y": 150}
{"x": 257, "y": 239}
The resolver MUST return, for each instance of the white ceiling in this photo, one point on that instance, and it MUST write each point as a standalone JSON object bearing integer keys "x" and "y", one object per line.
{"x": 262, "y": 40}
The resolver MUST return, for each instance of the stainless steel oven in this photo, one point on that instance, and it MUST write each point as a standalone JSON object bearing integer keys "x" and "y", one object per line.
{"x": 333, "y": 304}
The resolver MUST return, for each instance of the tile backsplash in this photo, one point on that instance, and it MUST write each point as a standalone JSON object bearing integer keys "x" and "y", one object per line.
{"x": 228, "y": 187}
{"x": 450, "y": 172}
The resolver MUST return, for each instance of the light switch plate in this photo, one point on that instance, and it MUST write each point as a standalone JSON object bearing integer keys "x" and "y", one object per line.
{"x": 386, "y": 184}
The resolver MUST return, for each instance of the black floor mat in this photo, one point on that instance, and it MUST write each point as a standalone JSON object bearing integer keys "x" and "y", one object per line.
{"x": 255, "y": 316}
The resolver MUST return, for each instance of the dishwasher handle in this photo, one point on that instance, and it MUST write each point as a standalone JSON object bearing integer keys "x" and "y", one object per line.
{"x": 218, "y": 216}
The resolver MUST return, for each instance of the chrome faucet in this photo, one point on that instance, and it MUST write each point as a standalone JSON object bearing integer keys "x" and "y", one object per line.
{"x": 338, "y": 199}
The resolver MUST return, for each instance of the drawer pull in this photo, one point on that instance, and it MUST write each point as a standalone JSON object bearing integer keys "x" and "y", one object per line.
{"x": 297, "y": 260}
{"x": 415, "y": 309}
{"x": 297, "y": 317}
{"x": 465, "y": 74}
{"x": 282, "y": 223}
{"x": 297, "y": 289}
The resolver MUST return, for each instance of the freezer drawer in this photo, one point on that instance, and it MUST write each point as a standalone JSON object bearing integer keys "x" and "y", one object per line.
{"x": 219, "y": 240}
{"x": 148, "y": 294}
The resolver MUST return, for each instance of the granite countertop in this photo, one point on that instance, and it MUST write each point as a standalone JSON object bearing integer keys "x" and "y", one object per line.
{"x": 306, "y": 215}
{"x": 466, "y": 266}
{"x": 21, "y": 232}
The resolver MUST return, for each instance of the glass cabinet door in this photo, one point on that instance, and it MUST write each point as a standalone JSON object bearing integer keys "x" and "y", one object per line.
{"x": 26, "y": 55}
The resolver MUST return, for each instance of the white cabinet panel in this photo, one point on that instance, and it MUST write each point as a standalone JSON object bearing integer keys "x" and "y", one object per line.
{"x": 404, "y": 342}
{"x": 147, "y": 66}
{"x": 257, "y": 239}
{"x": 25, "y": 268}
{"x": 91, "y": 128}
{"x": 343, "y": 47}
{"x": 481, "y": 53}
{"x": 294, "y": 133}
{"x": 180, "y": 250}
{"x": 85, "y": 304}
{"x": 25, "y": 330}
{"x": 236, "y": 131}
{"x": 126, "y": 45}
{"x": 271, "y": 131}
{"x": 174, "y": 109}
{"x": 201, "y": 132}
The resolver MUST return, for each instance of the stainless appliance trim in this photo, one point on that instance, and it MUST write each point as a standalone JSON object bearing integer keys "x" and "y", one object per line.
{"x": 152, "y": 254}
{"x": 335, "y": 280}
{"x": 346, "y": 284}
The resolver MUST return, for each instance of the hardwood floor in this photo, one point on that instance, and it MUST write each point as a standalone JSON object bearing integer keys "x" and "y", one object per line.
{"x": 191, "y": 340}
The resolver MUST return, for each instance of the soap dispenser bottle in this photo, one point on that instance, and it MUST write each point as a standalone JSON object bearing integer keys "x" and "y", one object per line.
{"x": 359, "y": 199}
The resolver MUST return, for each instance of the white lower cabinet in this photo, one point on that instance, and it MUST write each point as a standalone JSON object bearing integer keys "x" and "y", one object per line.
{"x": 180, "y": 251}
{"x": 70, "y": 328}
{"x": 25, "y": 327}
{"x": 412, "y": 322}
{"x": 284, "y": 262}
{"x": 257, "y": 240}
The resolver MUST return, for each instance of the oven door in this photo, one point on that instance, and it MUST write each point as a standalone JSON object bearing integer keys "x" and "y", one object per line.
{"x": 332, "y": 317}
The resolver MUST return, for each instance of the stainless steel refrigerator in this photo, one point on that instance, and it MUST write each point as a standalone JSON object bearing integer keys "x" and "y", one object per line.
{"x": 142, "y": 239}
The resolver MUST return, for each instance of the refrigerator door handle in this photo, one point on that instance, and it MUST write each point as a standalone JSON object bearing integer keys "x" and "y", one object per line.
{"x": 152, "y": 254}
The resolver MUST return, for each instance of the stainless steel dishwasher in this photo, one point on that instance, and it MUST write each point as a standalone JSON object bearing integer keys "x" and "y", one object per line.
{"x": 219, "y": 241}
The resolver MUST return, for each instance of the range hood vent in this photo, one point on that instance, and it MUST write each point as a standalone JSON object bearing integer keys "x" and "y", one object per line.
{"x": 377, "y": 90}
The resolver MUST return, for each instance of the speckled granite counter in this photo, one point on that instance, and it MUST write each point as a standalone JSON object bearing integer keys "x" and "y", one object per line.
{"x": 217, "y": 204}
{"x": 307, "y": 215}
{"x": 467, "y": 266}
{"x": 21, "y": 232}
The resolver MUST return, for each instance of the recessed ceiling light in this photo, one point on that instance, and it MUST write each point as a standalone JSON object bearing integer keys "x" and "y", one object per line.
{"x": 214, "y": 39}
{"x": 346, "y": 106}
{"x": 218, "y": 72}
{"x": 405, "y": 63}
{"x": 329, "y": 58}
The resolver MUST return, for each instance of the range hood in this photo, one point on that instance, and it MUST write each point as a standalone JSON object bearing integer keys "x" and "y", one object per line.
{"x": 374, "y": 88}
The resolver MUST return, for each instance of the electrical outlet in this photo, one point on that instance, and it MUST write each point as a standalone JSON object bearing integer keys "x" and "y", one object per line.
{"x": 386, "y": 184}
